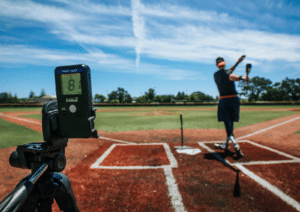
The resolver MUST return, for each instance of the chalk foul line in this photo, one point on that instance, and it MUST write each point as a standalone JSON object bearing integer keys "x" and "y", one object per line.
{"x": 280, "y": 194}
{"x": 270, "y": 187}
{"x": 20, "y": 119}
{"x": 268, "y": 128}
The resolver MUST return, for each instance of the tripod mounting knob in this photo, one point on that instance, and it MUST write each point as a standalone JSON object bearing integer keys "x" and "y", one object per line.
{"x": 59, "y": 163}
{"x": 48, "y": 189}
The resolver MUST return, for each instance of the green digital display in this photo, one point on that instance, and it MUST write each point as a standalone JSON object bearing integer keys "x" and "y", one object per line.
{"x": 71, "y": 84}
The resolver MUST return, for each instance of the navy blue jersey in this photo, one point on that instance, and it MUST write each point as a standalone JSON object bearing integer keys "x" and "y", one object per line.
{"x": 225, "y": 86}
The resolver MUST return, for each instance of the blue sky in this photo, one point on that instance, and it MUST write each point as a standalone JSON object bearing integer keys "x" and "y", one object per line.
{"x": 169, "y": 46}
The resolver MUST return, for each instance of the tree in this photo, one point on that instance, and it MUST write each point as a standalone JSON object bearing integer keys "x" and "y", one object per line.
{"x": 4, "y": 97}
{"x": 157, "y": 98}
{"x": 256, "y": 87}
{"x": 166, "y": 98}
{"x": 112, "y": 96}
{"x": 292, "y": 89}
{"x": 199, "y": 96}
{"x": 150, "y": 94}
{"x": 180, "y": 96}
{"x": 273, "y": 94}
{"x": 8, "y": 98}
{"x": 185, "y": 97}
{"x": 194, "y": 97}
{"x": 15, "y": 99}
{"x": 99, "y": 98}
{"x": 43, "y": 93}
{"x": 141, "y": 99}
{"x": 128, "y": 98}
{"x": 31, "y": 95}
{"x": 114, "y": 101}
{"x": 121, "y": 94}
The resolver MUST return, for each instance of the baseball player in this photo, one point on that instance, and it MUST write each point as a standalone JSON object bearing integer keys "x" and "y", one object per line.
{"x": 229, "y": 104}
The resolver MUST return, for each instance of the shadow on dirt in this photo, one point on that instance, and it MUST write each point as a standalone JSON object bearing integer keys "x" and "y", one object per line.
{"x": 221, "y": 158}
{"x": 224, "y": 155}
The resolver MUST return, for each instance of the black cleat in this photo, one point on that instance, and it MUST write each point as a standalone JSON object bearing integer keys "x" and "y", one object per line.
{"x": 239, "y": 153}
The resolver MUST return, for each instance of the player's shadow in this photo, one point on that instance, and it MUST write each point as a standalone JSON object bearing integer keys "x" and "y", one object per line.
{"x": 224, "y": 155}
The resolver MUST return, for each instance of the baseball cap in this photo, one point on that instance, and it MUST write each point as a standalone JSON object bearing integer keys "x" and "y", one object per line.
{"x": 220, "y": 61}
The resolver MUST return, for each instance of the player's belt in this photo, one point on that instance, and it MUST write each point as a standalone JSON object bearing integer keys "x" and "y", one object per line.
{"x": 230, "y": 96}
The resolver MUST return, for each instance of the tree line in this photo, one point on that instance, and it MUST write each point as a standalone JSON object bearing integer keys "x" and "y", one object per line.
{"x": 258, "y": 89}
{"x": 9, "y": 98}
{"x": 122, "y": 96}
{"x": 261, "y": 89}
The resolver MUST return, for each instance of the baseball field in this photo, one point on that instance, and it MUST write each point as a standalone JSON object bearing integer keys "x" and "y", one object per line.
{"x": 135, "y": 166}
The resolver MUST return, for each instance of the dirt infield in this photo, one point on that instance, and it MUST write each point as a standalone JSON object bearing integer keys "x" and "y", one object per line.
{"x": 138, "y": 172}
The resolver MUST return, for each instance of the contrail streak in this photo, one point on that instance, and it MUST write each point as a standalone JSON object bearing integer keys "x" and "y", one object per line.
{"x": 138, "y": 28}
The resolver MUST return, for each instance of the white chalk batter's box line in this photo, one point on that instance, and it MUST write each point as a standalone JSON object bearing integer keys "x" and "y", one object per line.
{"x": 273, "y": 189}
{"x": 170, "y": 156}
{"x": 294, "y": 159}
{"x": 176, "y": 198}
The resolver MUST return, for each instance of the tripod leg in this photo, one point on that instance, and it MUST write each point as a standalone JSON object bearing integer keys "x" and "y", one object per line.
{"x": 45, "y": 205}
{"x": 65, "y": 197}
{"x": 21, "y": 196}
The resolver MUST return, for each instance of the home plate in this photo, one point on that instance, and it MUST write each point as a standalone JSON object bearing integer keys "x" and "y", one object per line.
{"x": 187, "y": 150}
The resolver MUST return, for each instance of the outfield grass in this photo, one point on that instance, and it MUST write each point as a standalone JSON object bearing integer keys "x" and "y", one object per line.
{"x": 270, "y": 106}
{"x": 130, "y": 120}
{"x": 14, "y": 134}
{"x": 8, "y": 109}
{"x": 127, "y": 121}
{"x": 13, "y": 109}
{"x": 200, "y": 106}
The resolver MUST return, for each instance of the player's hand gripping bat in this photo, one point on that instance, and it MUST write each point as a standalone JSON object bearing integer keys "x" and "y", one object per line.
{"x": 248, "y": 69}
{"x": 241, "y": 58}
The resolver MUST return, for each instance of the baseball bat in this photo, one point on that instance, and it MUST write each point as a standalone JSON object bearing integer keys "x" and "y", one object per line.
{"x": 181, "y": 130}
{"x": 248, "y": 69}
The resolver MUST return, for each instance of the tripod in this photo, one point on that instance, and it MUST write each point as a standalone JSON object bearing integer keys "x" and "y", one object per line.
{"x": 45, "y": 183}
{"x": 46, "y": 160}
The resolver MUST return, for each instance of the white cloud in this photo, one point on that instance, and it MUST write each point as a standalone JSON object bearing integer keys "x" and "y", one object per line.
{"x": 35, "y": 11}
{"x": 178, "y": 12}
{"x": 96, "y": 59}
{"x": 162, "y": 31}
{"x": 138, "y": 25}
{"x": 200, "y": 44}
{"x": 96, "y": 8}
{"x": 37, "y": 56}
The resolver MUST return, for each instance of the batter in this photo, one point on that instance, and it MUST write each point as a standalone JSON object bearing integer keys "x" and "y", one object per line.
{"x": 229, "y": 104}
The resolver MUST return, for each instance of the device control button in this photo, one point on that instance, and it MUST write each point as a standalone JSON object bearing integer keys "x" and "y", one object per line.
{"x": 72, "y": 108}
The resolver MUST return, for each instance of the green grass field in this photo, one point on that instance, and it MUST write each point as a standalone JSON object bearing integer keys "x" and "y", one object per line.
{"x": 130, "y": 120}
{"x": 13, "y": 134}
{"x": 12, "y": 109}
{"x": 7, "y": 109}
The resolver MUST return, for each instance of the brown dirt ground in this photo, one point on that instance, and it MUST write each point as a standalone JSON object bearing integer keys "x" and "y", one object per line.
{"x": 205, "y": 184}
{"x": 137, "y": 156}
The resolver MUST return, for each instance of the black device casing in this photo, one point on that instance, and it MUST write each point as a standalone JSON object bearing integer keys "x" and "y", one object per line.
{"x": 75, "y": 124}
